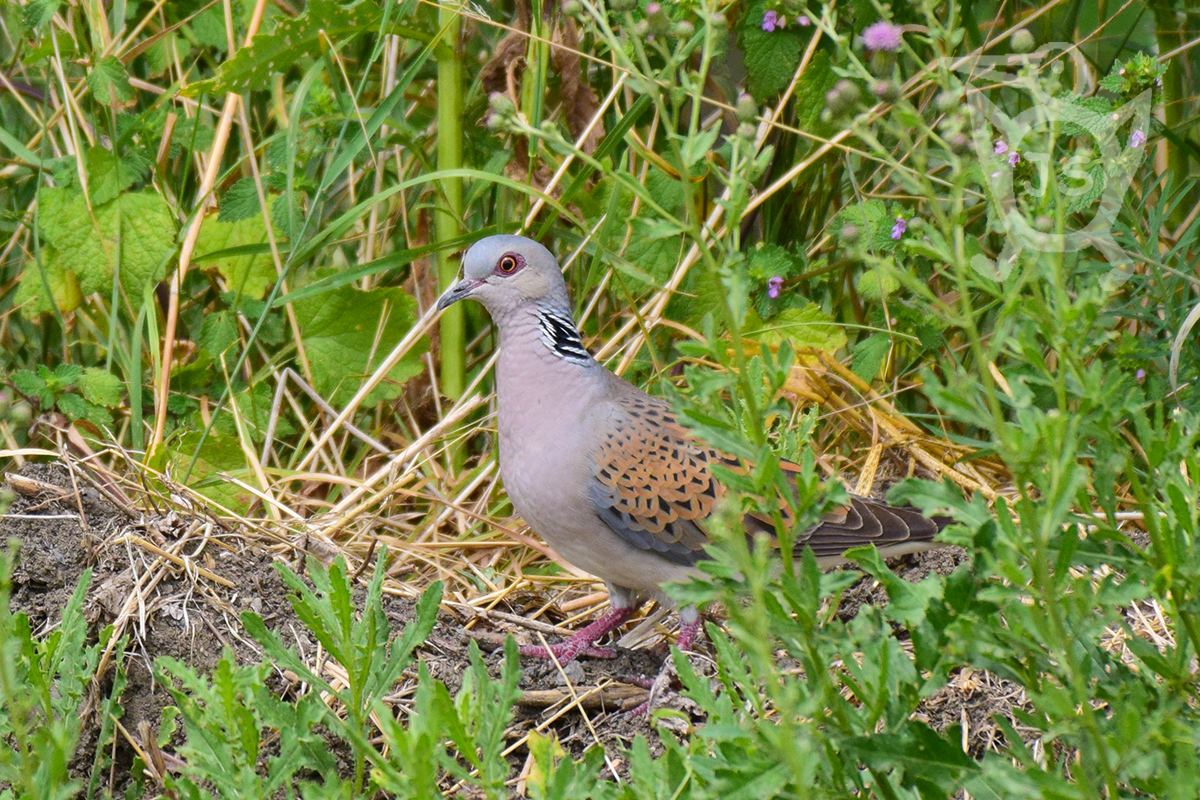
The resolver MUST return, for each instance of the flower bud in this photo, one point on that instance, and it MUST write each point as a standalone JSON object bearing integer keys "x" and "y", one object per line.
{"x": 1023, "y": 41}
{"x": 887, "y": 91}
{"x": 685, "y": 29}
{"x": 747, "y": 108}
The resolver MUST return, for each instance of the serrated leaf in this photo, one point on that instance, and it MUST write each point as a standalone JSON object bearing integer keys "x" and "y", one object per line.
{"x": 144, "y": 224}
{"x": 347, "y": 333}
{"x": 31, "y": 296}
{"x": 100, "y": 386}
{"x": 771, "y": 57}
{"x": 68, "y": 374}
{"x": 109, "y": 83}
{"x": 39, "y": 12}
{"x": 108, "y": 175}
{"x": 817, "y": 80}
{"x": 291, "y": 39}
{"x": 28, "y": 382}
{"x": 240, "y": 201}
{"x": 868, "y": 356}
{"x": 806, "y": 327}
{"x": 247, "y": 275}
{"x": 76, "y": 408}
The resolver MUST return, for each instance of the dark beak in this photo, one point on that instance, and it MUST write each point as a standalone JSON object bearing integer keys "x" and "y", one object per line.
{"x": 456, "y": 292}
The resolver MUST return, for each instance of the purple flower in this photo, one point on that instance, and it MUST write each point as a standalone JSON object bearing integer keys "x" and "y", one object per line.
{"x": 803, "y": 21}
{"x": 1001, "y": 147}
{"x": 1014, "y": 158}
{"x": 882, "y": 36}
{"x": 774, "y": 284}
{"x": 1141, "y": 375}
{"x": 770, "y": 20}
{"x": 899, "y": 228}
{"x": 1137, "y": 139}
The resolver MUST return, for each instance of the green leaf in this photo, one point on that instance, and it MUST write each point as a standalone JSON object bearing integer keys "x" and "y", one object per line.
{"x": 109, "y": 83}
{"x": 39, "y": 12}
{"x": 248, "y": 275}
{"x": 28, "y": 382}
{"x": 31, "y": 294}
{"x": 240, "y": 201}
{"x": 291, "y": 39}
{"x": 142, "y": 220}
{"x": 806, "y": 327}
{"x": 771, "y": 57}
{"x": 220, "y": 454}
{"x": 67, "y": 374}
{"x": 347, "y": 333}
{"x": 108, "y": 175}
{"x": 100, "y": 386}
{"x": 76, "y": 408}
{"x": 868, "y": 356}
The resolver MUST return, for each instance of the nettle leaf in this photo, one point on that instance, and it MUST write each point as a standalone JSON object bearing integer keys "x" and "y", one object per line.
{"x": 39, "y": 12}
{"x": 247, "y": 275}
{"x": 100, "y": 386}
{"x": 76, "y": 408}
{"x": 86, "y": 240}
{"x": 108, "y": 175}
{"x": 31, "y": 291}
{"x": 873, "y": 221}
{"x": 868, "y": 356}
{"x": 290, "y": 40}
{"x": 109, "y": 83}
{"x": 240, "y": 201}
{"x": 771, "y": 57}
{"x": 817, "y": 80}
{"x": 806, "y": 327}
{"x": 28, "y": 382}
{"x": 347, "y": 333}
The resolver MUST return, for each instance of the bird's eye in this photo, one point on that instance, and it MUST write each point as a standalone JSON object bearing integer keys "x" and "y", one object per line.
{"x": 507, "y": 264}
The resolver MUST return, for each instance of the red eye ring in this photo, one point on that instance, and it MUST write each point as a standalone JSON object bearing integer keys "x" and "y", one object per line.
{"x": 507, "y": 264}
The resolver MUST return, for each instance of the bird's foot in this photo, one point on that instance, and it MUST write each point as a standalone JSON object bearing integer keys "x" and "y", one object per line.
{"x": 583, "y": 642}
{"x": 565, "y": 652}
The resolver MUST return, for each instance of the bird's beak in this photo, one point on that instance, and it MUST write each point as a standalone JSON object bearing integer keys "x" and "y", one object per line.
{"x": 456, "y": 292}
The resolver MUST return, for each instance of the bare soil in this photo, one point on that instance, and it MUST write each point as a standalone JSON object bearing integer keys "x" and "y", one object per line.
{"x": 65, "y": 526}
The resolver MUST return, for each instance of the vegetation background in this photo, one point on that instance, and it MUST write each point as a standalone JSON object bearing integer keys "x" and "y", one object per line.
{"x": 835, "y": 233}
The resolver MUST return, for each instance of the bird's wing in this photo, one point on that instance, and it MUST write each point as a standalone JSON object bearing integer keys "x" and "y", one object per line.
{"x": 652, "y": 483}
{"x": 653, "y": 486}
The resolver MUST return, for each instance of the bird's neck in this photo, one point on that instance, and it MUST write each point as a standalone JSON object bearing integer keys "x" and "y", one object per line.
{"x": 541, "y": 347}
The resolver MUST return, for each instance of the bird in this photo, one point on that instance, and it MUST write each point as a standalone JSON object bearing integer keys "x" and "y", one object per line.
{"x": 603, "y": 471}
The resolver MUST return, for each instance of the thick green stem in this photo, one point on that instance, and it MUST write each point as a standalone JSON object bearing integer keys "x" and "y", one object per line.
{"x": 448, "y": 218}
{"x": 1173, "y": 97}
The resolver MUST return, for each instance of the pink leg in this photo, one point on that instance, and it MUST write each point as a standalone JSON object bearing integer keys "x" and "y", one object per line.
{"x": 687, "y": 634}
{"x": 581, "y": 643}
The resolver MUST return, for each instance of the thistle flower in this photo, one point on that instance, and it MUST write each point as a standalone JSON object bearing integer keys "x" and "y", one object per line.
{"x": 882, "y": 35}
{"x": 899, "y": 228}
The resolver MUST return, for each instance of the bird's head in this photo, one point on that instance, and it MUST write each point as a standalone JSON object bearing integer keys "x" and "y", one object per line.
{"x": 507, "y": 273}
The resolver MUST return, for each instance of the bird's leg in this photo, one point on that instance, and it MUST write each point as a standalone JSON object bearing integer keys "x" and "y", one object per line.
{"x": 581, "y": 643}
{"x": 687, "y": 634}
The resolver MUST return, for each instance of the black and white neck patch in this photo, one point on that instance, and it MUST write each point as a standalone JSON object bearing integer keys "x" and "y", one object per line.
{"x": 561, "y": 336}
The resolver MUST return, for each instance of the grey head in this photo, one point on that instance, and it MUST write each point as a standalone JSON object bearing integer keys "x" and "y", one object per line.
{"x": 508, "y": 274}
